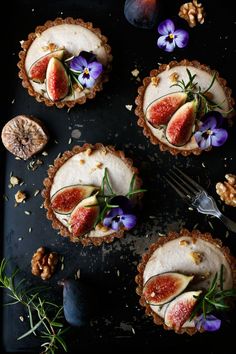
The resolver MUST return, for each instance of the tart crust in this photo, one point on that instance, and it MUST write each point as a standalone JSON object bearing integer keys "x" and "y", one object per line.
{"x": 195, "y": 234}
{"x": 32, "y": 36}
{"x": 56, "y": 224}
{"x": 140, "y": 100}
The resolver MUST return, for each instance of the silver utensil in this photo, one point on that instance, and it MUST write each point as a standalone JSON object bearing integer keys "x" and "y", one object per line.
{"x": 196, "y": 196}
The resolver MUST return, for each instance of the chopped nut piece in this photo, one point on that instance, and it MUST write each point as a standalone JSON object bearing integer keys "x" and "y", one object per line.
{"x": 197, "y": 257}
{"x": 227, "y": 190}
{"x": 44, "y": 153}
{"x": 20, "y": 196}
{"x": 129, "y": 107}
{"x": 101, "y": 227}
{"x": 89, "y": 152}
{"x": 135, "y": 72}
{"x": 184, "y": 243}
{"x": 99, "y": 164}
{"x": 155, "y": 80}
{"x": 192, "y": 12}
{"x": 81, "y": 162}
{"x": 43, "y": 263}
{"x": 174, "y": 77}
{"x": 14, "y": 181}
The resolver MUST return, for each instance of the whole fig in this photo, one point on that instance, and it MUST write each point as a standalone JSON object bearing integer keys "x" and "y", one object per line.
{"x": 76, "y": 302}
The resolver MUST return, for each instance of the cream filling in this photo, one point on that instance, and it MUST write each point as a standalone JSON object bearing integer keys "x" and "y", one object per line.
{"x": 89, "y": 170}
{"x": 163, "y": 88}
{"x": 74, "y": 38}
{"x": 174, "y": 257}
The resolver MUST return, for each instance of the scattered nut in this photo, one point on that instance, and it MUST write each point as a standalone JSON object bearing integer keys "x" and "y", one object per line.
{"x": 197, "y": 257}
{"x": 135, "y": 72}
{"x": 184, "y": 243}
{"x": 155, "y": 80}
{"x": 129, "y": 107}
{"x": 227, "y": 190}
{"x": 20, "y": 196}
{"x": 192, "y": 12}
{"x": 43, "y": 264}
{"x": 14, "y": 181}
{"x": 81, "y": 162}
{"x": 99, "y": 164}
{"x": 174, "y": 77}
{"x": 101, "y": 227}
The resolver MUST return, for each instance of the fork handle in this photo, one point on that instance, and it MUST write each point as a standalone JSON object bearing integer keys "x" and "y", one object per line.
{"x": 231, "y": 225}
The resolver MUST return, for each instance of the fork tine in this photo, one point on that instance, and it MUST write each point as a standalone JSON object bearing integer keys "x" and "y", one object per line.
{"x": 184, "y": 183}
{"x": 178, "y": 191}
{"x": 190, "y": 180}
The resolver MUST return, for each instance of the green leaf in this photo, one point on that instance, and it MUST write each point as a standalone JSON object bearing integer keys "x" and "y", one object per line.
{"x": 56, "y": 324}
{"x": 31, "y": 330}
{"x": 62, "y": 342}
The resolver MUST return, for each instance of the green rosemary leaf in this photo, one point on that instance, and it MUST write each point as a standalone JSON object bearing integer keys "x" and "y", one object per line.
{"x": 136, "y": 191}
{"x": 31, "y": 319}
{"x": 62, "y": 342}
{"x": 221, "y": 277}
{"x": 56, "y": 324}
{"x": 32, "y": 330}
{"x": 131, "y": 186}
{"x": 211, "y": 84}
{"x": 108, "y": 182}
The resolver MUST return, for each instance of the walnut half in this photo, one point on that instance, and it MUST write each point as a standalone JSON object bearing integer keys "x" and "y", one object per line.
{"x": 227, "y": 190}
{"x": 43, "y": 263}
{"x": 192, "y": 12}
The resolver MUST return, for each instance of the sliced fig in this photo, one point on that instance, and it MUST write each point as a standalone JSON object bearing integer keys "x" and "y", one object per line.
{"x": 57, "y": 80}
{"x": 180, "y": 309}
{"x": 160, "y": 111}
{"x": 180, "y": 127}
{"x": 37, "y": 71}
{"x": 66, "y": 199}
{"x": 162, "y": 288}
{"x": 84, "y": 216}
{"x": 24, "y": 136}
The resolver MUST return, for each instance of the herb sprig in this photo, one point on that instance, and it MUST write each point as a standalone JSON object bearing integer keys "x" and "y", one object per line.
{"x": 215, "y": 299}
{"x": 45, "y": 318}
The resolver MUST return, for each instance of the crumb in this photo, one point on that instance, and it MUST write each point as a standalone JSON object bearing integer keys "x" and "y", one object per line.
{"x": 44, "y": 153}
{"x": 197, "y": 257}
{"x": 174, "y": 77}
{"x": 135, "y": 72}
{"x": 155, "y": 80}
{"x": 27, "y": 212}
{"x": 99, "y": 164}
{"x": 20, "y": 196}
{"x": 82, "y": 162}
{"x": 129, "y": 107}
{"x": 36, "y": 192}
{"x": 89, "y": 152}
{"x": 14, "y": 181}
{"x": 183, "y": 242}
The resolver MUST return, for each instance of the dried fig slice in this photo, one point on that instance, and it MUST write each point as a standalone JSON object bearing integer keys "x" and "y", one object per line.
{"x": 24, "y": 136}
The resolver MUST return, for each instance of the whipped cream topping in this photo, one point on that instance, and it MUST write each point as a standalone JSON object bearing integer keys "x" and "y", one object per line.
{"x": 87, "y": 169}
{"x": 174, "y": 257}
{"x": 74, "y": 38}
{"x": 163, "y": 88}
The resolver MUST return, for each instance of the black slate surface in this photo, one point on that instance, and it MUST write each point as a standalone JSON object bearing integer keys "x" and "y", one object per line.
{"x": 121, "y": 324}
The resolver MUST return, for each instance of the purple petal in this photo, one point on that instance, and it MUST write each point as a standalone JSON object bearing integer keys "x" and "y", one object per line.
{"x": 116, "y": 225}
{"x": 164, "y": 43}
{"x": 166, "y": 27}
{"x": 107, "y": 221}
{"x": 129, "y": 221}
{"x": 211, "y": 323}
{"x": 95, "y": 69}
{"x": 181, "y": 38}
{"x": 86, "y": 80}
{"x": 209, "y": 124}
{"x": 78, "y": 63}
{"x": 114, "y": 212}
{"x": 217, "y": 115}
{"x": 219, "y": 137}
{"x": 198, "y": 137}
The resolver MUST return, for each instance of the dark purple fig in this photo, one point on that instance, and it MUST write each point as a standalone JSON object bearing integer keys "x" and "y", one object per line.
{"x": 76, "y": 302}
{"x": 162, "y": 288}
{"x": 179, "y": 310}
{"x": 84, "y": 216}
{"x": 161, "y": 110}
{"x": 141, "y": 13}
{"x": 66, "y": 199}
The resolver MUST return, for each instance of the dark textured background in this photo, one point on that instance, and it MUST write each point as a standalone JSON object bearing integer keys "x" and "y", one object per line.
{"x": 105, "y": 119}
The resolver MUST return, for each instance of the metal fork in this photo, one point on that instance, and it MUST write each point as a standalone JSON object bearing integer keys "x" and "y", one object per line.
{"x": 196, "y": 196}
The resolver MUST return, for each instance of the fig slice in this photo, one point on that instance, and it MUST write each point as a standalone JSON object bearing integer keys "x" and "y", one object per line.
{"x": 83, "y": 217}
{"x": 162, "y": 288}
{"x": 66, "y": 198}
{"x": 37, "y": 71}
{"x": 180, "y": 309}
{"x": 57, "y": 80}
{"x": 160, "y": 111}
{"x": 24, "y": 136}
{"x": 180, "y": 127}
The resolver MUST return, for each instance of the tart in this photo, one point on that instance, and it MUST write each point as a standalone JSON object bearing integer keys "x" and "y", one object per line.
{"x": 64, "y": 62}
{"x": 183, "y": 265}
{"x": 173, "y": 102}
{"x": 80, "y": 189}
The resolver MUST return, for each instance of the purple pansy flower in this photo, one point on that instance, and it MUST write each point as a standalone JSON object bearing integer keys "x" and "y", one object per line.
{"x": 170, "y": 37}
{"x": 210, "y": 133}
{"x": 209, "y": 323}
{"x": 121, "y": 216}
{"x": 87, "y": 70}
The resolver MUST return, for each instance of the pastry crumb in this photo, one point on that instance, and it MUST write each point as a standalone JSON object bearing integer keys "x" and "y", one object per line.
{"x": 129, "y": 107}
{"x": 89, "y": 152}
{"x": 20, "y": 197}
{"x": 197, "y": 257}
{"x": 82, "y": 162}
{"x": 155, "y": 80}
{"x": 184, "y": 243}
{"x": 174, "y": 77}
{"x": 99, "y": 164}
{"x": 135, "y": 72}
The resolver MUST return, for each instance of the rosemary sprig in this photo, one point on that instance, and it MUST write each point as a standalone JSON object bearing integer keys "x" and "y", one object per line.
{"x": 45, "y": 318}
{"x": 215, "y": 297}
